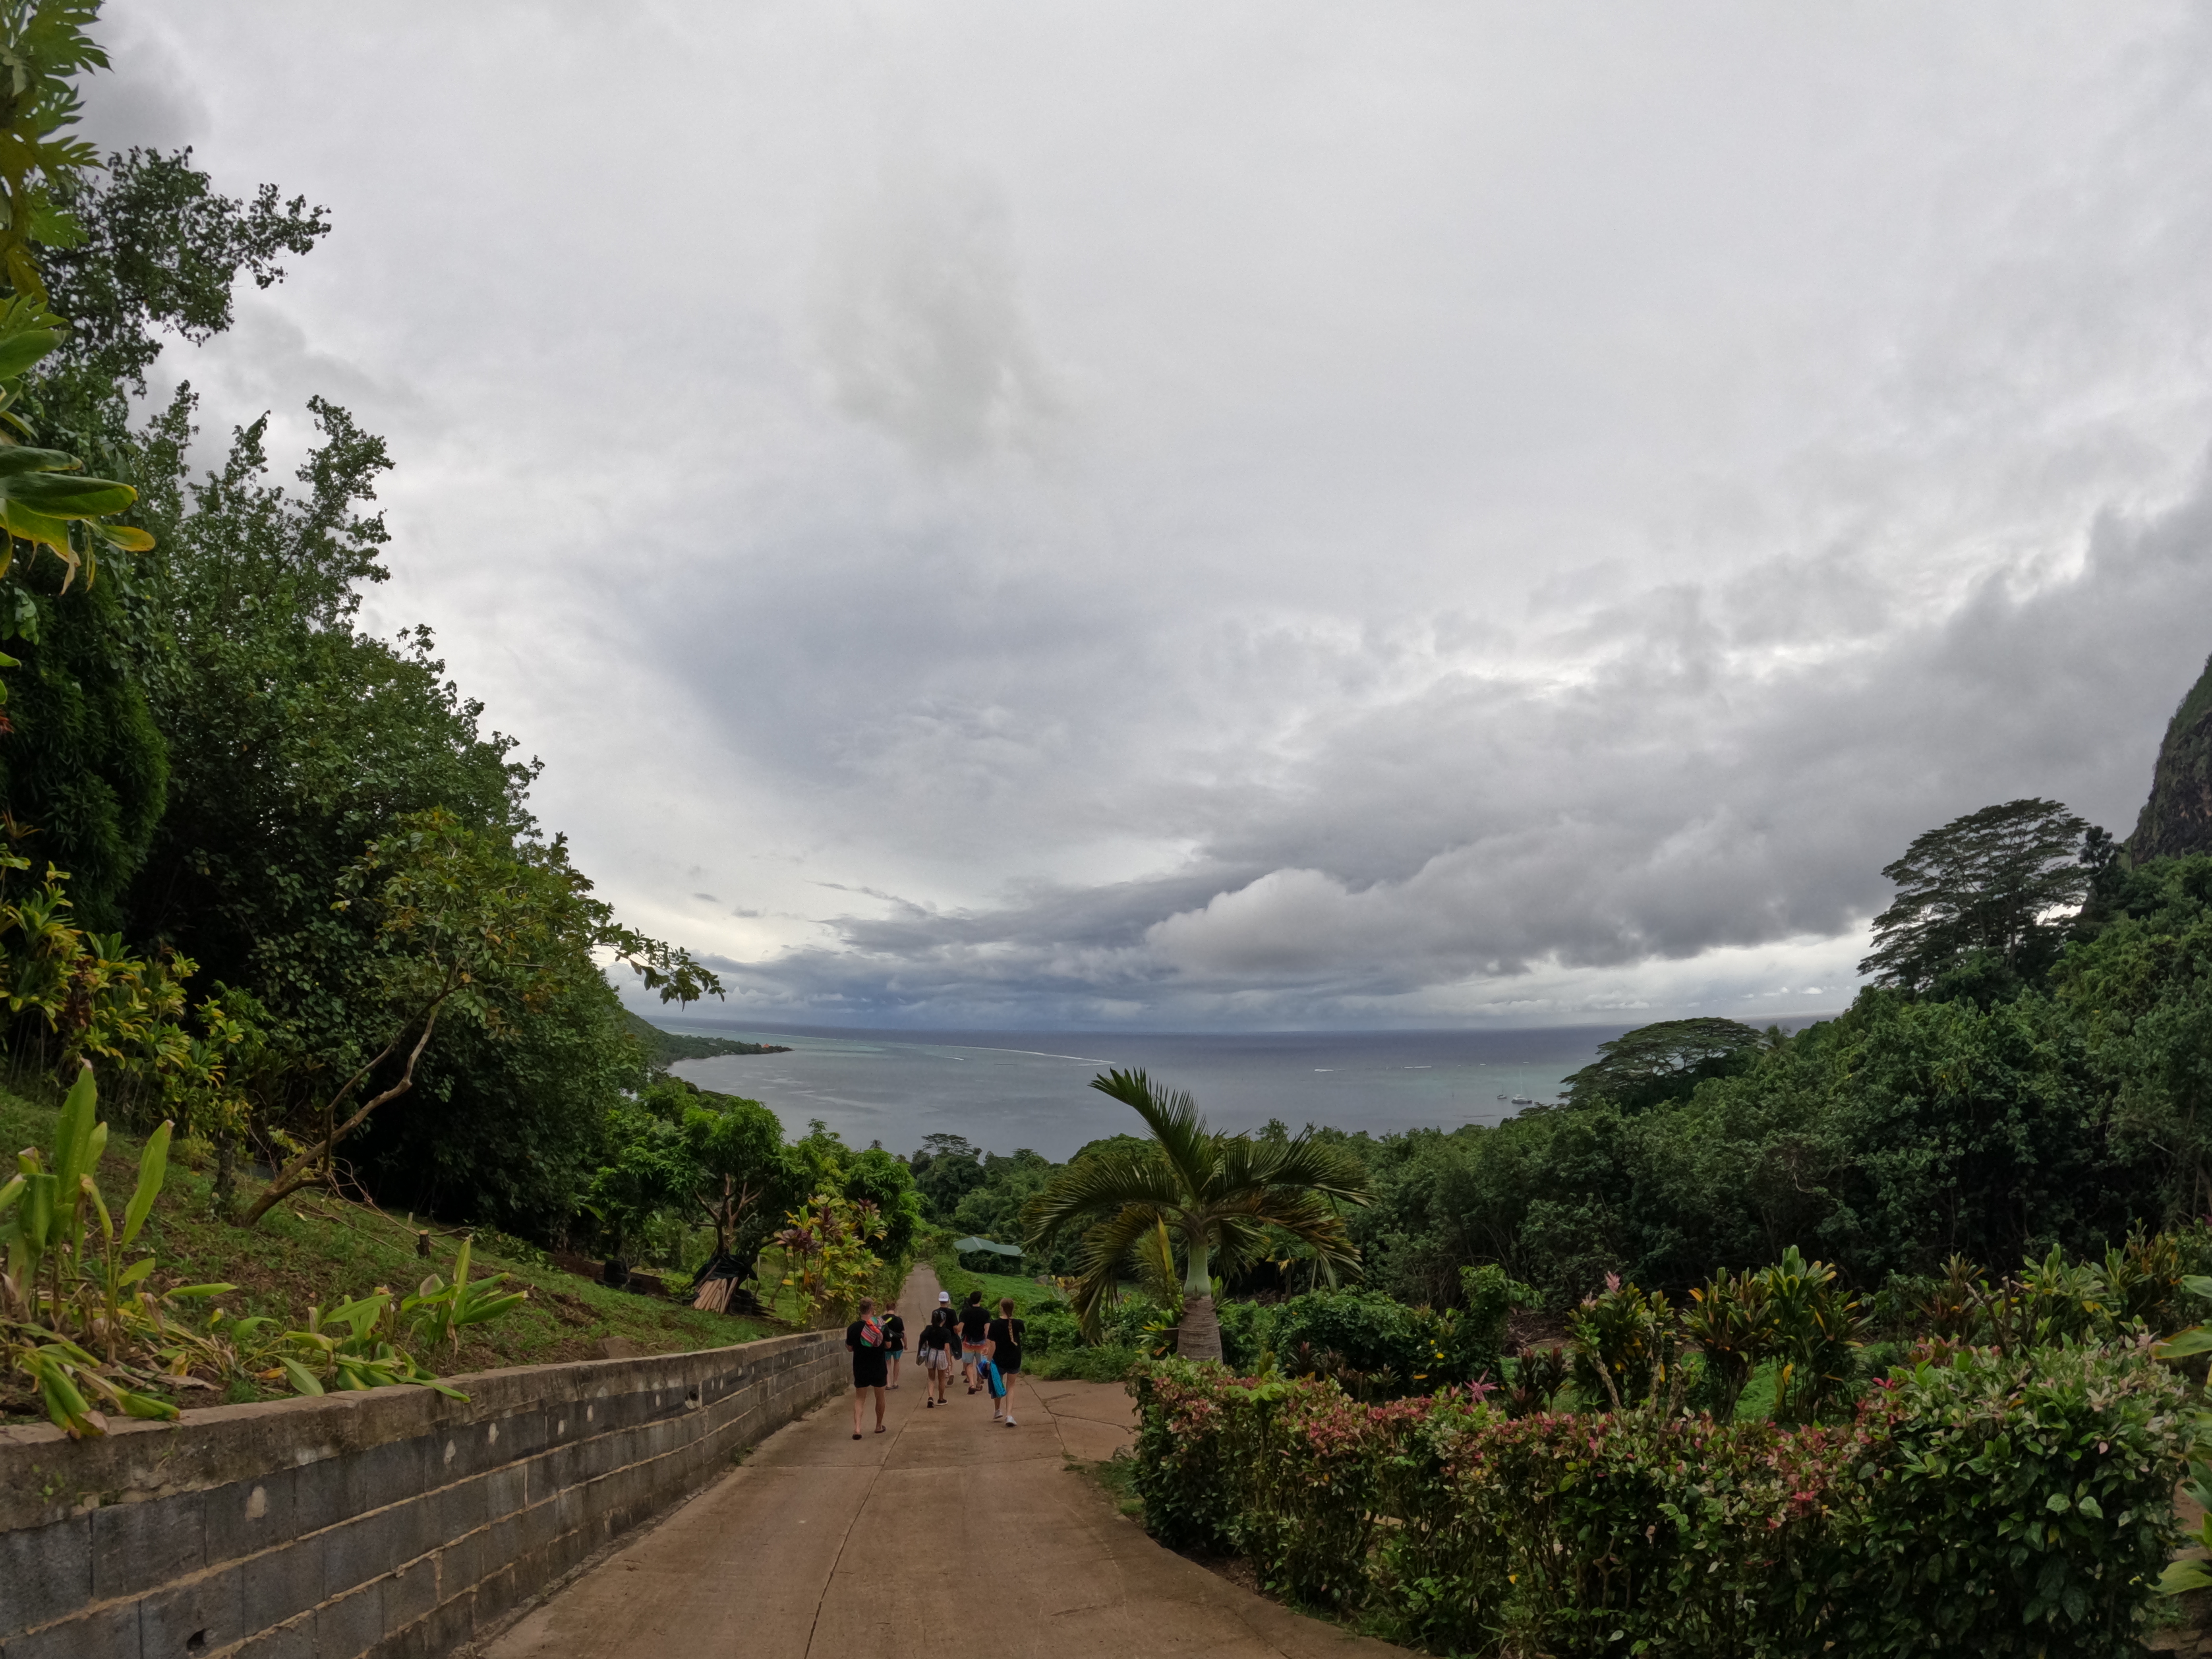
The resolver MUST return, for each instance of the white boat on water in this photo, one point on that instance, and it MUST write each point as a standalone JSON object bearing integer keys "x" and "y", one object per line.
{"x": 1522, "y": 1100}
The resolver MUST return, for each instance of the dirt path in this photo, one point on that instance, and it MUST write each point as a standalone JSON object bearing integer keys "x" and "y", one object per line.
{"x": 821, "y": 1545}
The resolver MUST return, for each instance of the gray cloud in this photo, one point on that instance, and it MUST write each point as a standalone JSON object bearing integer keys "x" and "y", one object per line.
{"x": 1283, "y": 516}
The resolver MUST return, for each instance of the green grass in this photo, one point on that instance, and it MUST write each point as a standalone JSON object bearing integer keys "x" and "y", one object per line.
{"x": 1028, "y": 1294}
{"x": 316, "y": 1249}
{"x": 1118, "y": 1474}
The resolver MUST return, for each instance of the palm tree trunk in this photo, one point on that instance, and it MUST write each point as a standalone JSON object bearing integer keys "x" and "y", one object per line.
{"x": 1199, "y": 1337}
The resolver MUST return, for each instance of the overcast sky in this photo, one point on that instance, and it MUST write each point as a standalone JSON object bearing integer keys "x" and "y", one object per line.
{"x": 1261, "y": 515}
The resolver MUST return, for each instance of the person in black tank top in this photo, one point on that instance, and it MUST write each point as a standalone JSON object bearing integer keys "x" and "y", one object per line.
{"x": 1005, "y": 1334}
{"x": 975, "y": 1321}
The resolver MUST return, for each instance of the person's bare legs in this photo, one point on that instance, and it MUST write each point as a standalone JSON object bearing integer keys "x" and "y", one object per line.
{"x": 879, "y": 1411}
{"x": 1010, "y": 1378}
{"x": 859, "y": 1395}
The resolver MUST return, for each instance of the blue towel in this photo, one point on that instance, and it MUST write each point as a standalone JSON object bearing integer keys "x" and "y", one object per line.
{"x": 998, "y": 1383}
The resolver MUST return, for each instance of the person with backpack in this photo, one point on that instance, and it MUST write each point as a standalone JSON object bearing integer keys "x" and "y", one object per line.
{"x": 1005, "y": 1334}
{"x": 975, "y": 1319}
{"x": 894, "y": 1338}
{"x": 934, "y": 1350}
{"x": 865, "y": 1337}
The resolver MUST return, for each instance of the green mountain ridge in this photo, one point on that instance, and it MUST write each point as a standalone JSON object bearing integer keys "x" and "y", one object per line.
{"x": 662, "y": 1048}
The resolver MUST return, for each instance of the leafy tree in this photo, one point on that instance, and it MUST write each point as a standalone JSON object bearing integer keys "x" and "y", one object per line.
{"x": 1982, "y": 898}
{"x": 945, "y": 1171}
{"x": 470, "y": 922}
{"x": 652, "y": 1169}
{"x": 1210, "y": 1196}
{"x": 745, "y": 1176}
{"x": 1664, "y": 1061}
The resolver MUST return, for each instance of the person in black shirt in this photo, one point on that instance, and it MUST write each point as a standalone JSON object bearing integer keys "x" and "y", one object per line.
{"x": 865, "y": 1337}
{"x": 894, "y": 1338}
{"x": 935, "y": 1349}
{"x": 975, "y": 1319}
{"x": 1005, "y": 1334}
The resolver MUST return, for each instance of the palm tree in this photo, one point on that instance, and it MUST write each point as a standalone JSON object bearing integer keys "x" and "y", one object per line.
{"x": 1213, "y": 1196}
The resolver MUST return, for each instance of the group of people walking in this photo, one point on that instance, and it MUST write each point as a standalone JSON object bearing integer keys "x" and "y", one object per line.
{"x": 988, "y": 1351}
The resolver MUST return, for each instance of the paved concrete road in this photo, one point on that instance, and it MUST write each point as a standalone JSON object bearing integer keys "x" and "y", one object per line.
{"x": 898, "y": 1543}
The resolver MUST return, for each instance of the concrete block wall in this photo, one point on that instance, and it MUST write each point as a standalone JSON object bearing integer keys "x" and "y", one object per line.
{"x": 394, "y": 1522}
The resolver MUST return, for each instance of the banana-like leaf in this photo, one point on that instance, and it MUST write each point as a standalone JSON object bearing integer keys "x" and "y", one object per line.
{"x": 146, "y": 1406}
{"x": 41, "y": 1199}
{"x": 15, "y": 459}
{"x": 2197, "y": 1284}
{"x": 73, "y": 1134}
{"x": 2182, "y": 1343}
{"x": 67, "y": 497}
{"x": 136, "y": 1271}
{"x": 66, "y": 1408}
{"x": 10, "y": 1193}
{"x": 19, "y": 351}
{"x": 2181, "y": 1577}
{"x": 303, "y": 1380}
{"x": 127, "y": 536}
{"x": 197, "y": 1292}
{"x": 153, "y": 1168}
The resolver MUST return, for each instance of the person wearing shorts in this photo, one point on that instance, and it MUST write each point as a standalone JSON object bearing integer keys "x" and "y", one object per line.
{"x": 1005, "y": 1334}
{"x": 934, "y": 1350}
{"x": 975, "y": 1321}
{"x": 864, "y": 1338}
{"x": 894, "y": 1338}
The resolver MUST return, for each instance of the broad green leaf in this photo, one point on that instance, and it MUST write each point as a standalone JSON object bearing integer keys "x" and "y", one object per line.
{"x": 303, "y": 1380}
{"x": 41, "y": 1199}
{"x": 197, "y": 1292}
{"x": 73, "y": 1134}
{"x": 2182, "y": 1577}
{"x": 136, "y": 1271}
{"x": 66, "y": 497}
{"x": 2196, "y": 1339}
{"x": 10, "y": 1193}
{"x": 19, "y": 351}
{"x": 153, "y": 1168}
{"x": 129, "y": 538}
{"x": 145, "y": 1406}
{"x": 17, "y": 458}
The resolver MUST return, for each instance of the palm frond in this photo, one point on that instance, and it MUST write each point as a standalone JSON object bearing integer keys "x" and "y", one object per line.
{"x": 1312, "y": 1165}
{"x": 1153, "y": 1258}
{"x": 1172, "y": 1116}
{"x": 1106, "y": 1249}
{"x": 1093, "y": 1186}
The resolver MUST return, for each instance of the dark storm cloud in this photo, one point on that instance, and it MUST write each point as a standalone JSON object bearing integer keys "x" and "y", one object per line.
{"x": 1686, "y": 794}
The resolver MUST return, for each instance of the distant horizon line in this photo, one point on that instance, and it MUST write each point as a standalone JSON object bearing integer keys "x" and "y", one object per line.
{"x": 1793, "y": 1023}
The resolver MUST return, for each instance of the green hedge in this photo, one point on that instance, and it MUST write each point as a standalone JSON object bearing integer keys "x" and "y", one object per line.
{"x": 1990, "y": 1507}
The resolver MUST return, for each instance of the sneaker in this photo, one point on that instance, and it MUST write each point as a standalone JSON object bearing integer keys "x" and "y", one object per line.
{"x": 1010, "y": 1422}
{"x": 927, "y": 1404}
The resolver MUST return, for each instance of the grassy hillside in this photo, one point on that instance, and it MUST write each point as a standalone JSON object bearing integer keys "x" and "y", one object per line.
{"x": 318, "y": 1250}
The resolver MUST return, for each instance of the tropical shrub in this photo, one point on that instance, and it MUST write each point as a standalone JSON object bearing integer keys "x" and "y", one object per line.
{"x": 86, "y": 1328}
{"x": 2016, "y": 1504}
{"x": 2004, "y": 1505}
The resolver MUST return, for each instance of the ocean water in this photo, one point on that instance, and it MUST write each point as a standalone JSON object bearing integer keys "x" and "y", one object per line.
{"x": 1004, "y": 1090}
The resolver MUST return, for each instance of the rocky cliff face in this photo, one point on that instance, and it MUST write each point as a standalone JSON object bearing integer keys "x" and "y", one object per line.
{"x": 2177, "y": 816}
